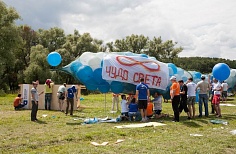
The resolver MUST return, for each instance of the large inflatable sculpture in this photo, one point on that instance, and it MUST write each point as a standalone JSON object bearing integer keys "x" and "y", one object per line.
{"x": 119, "y": 72}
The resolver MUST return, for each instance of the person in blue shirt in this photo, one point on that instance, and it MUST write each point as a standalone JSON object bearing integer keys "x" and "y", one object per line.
{"x": 142, "y": 95}
{"x": 133, "y": 110}
{"x": 70, "y": 94}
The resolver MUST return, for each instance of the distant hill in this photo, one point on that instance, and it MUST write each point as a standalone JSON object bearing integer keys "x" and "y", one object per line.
{"x": 202, "y": 64}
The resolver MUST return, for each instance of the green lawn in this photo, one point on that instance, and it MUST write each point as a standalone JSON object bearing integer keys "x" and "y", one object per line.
{"x": 58, "y": 133}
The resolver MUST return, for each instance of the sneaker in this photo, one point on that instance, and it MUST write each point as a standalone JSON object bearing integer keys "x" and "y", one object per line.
{"x": 199, "y": 116}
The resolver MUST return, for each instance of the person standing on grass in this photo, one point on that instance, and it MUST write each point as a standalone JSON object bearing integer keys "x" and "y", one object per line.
{"x": 224, "y": 86}
{"x": 35, "y": 100}
{"x": 70, "y": 94}
{"x": 142, "y": 95}
{"x": 183, "y": 98}
{"x": 61, "y": 94}
{"x": 191, "y": 97}
{"x": 18, "y": 102}
{"x": 48, "y": 86}
{"x": 203, "y": 97}
{"x": 115, "y": 101}
{"x": 175, "y": 97}
{"x": 216, "y": 98}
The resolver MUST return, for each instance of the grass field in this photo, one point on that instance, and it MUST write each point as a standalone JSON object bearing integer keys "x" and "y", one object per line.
{"x": 58, "y": 133}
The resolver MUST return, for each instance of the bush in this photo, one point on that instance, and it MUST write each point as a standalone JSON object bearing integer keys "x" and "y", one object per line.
{"x": 2, "y": 93}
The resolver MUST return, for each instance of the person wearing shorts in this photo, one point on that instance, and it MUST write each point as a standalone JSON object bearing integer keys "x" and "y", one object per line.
{"x": 61, "y": 94}
{"x": 224, "y": 86}
{"x": 142, "y": 93}
{"x": 191, "y": 97}
{"x": 216, "y": 98}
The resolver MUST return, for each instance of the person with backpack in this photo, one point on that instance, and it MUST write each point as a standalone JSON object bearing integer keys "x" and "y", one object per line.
{"x": 70, "y": 94}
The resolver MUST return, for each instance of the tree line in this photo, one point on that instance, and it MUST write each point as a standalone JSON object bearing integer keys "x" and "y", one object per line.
{"x": 23, "y": 51}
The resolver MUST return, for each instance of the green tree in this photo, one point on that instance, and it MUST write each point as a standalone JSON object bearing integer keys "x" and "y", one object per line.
{"x": 52, "y": 39}
{"x": 10, "y": 42}
{"x": 38, "y": 68}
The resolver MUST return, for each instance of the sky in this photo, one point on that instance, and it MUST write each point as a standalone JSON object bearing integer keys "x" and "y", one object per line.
{"x": 205, "y": 28}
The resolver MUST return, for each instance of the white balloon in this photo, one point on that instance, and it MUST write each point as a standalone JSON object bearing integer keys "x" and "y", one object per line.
{"x": 94, "y": 62}
{"x": 232, "y": 72}
{"x": 85, "y": 57}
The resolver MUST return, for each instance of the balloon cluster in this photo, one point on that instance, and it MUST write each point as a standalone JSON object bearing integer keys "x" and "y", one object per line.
{"x": 88, "y": 70}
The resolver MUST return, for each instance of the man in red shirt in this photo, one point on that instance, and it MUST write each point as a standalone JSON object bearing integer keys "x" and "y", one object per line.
{"x": 18, "y": 102}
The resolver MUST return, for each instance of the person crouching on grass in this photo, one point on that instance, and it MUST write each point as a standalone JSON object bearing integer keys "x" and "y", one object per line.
{"x": 124, "y": 108}
{"x": 18, "y": 102}
{"x": 133, "y": 110}
{"x": 35, "y": 100}
{"x": 157, "y": 101}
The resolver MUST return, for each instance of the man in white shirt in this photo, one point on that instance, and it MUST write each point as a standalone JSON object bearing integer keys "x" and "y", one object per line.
{"x": 224, "y": 86}
{"x": 203, "y": 97}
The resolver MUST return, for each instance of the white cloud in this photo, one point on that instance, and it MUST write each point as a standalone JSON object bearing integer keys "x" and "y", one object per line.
{"x": 203, "y": 28}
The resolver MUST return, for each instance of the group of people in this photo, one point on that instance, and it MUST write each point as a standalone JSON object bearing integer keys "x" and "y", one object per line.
{"x": 139, "y": 107}
{"x": 183, "y": 96}
{"x": 63, "y": 94}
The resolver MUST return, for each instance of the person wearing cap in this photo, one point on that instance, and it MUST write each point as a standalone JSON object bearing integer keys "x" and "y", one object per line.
{"x": 175, "y": 97}
{"x": 203, "y": 97}
{"x": 61, "y": 94}
{"x": 183, "y": 98}
{"x": 34, "y": 99}
{"x": 142, "y": 95}
{"x": 48, "y": 87}
{"x": 70, "y": 95}
{"x": 191, "y": 97}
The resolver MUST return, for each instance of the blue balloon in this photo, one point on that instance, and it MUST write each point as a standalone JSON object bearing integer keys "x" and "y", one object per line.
{"x": 221, "y": 71}
{"x": 54, "y": 58}
{"x": 91, "y": 85}
{"x": 97, "y": 75}
{"x": 84, "y": 73}
{"x": 75, "y": 65}
{"x": 180, "y": 71}
{"x": 198, "y": 75}
{"x": 104, "y": 87}
{"x": 117, "y": 87}
{"x": 174, "y": 68}
{"x": 144, "y": 55}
